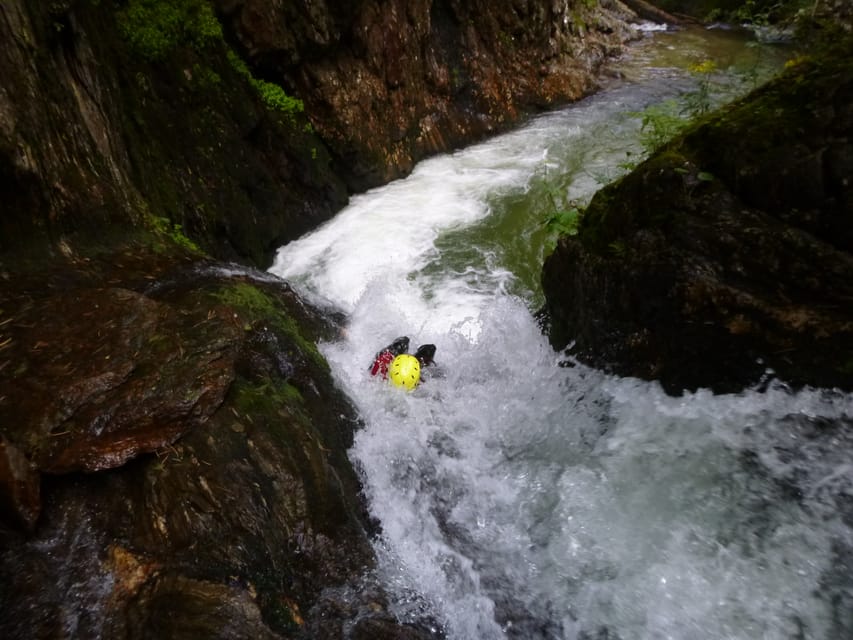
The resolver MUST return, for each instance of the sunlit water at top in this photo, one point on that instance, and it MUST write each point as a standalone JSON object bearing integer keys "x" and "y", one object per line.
{"x": 522, "y": 499}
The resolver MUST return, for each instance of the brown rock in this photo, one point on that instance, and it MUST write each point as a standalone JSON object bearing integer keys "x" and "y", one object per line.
{"x": 134, "y": 380}
{"x": 371, "y": 74}
{"x": 20, "y": 500}
{"x": 218, "y": 499}
{"x": 726, "y": 257}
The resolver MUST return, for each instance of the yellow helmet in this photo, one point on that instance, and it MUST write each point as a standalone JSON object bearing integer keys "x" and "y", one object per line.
{"x": 405, "y": 371}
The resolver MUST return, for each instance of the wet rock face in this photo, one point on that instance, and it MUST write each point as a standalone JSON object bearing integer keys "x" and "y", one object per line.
{"x": 134, "y": 381}
{"x": 173, "y": 457}
{"x": 95, "y": 132}
{"x": 725, "y": 257}
{"x": 388, "y": 82}
{"x": 94, "y": 135}
{"x": 172, "y": 446}
{"x": 20, "y": 489}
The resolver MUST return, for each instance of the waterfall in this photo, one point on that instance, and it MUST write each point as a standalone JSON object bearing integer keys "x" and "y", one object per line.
{"x": 522, "y": 498}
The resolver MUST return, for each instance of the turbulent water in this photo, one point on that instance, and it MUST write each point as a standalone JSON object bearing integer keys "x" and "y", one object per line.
{"x": 523, "y": 499}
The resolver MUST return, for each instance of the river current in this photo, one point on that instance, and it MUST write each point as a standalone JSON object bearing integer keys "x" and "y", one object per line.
{"x": 523, "y": 499}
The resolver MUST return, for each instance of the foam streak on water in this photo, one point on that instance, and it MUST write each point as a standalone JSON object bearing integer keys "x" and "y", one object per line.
{"x": 523, "y": 499}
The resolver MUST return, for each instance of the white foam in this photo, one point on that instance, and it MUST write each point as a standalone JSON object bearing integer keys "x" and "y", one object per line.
{"x": 522, "y": 499}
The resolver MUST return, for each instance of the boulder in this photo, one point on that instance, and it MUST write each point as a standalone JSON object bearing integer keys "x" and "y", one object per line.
{"x": 726, "y": 258}
{"x": 173, "y": 456}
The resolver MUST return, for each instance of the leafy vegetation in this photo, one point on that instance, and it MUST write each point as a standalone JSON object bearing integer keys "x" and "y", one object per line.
{"x": 155, "y": 28}
{"x": 756, "y": 12}
{"x": 274, "y": 96}
{"x": 174, "y": 232}
{"x": 256, "y": 307}
{"x": 255, "y": 304}
{"x": 766, "y": 12}
{"x": 660, "y": 123}
{"x": 564, "y": 221}
{"x": 698, "y": 102}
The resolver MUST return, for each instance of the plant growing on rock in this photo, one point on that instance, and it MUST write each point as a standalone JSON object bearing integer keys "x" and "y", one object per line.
{"x": 174, "y": 232}
{"x": 564, "y": 220}
{"x": 273, "y": 95}
{"x": 698, "y": 102}
{"x": 155, "y": 28}
{"x": 659, "y": 124}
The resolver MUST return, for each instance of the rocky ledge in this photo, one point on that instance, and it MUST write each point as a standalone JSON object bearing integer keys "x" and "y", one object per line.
{"x": 172, "y": 446}
{"x": 726, "y": 258}
{"x": 173, "y": 456}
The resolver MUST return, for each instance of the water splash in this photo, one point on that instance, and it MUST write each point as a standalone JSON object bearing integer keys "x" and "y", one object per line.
{"x": 524, "y": 499}
{"x": 520, "y": 498}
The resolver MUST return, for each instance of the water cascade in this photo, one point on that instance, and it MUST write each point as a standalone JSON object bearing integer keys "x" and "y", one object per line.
{"x": 523, "y": 499}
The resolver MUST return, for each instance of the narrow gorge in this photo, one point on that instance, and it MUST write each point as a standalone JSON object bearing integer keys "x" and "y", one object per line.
{"x": 179, "y": 454}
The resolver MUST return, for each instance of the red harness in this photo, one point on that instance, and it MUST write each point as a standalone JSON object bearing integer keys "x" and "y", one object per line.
{"x": 381, "y": 364}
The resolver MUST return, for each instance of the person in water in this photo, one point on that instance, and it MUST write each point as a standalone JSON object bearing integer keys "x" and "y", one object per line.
{"x": 426, "y": 354}
{"x": 426, "y": 357}
{"x": 382, "y": 360}
{"x": 404, "y": 369}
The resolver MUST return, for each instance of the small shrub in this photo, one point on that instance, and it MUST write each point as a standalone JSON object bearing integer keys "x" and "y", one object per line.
{"x": 273, "y": 96}
{"x": 699, "y": 102}
{"x": 659, "y": 124}
{"x": 153, "y": 29}
{"x": 175, "y": 233}
{"x": 565, "y": 221}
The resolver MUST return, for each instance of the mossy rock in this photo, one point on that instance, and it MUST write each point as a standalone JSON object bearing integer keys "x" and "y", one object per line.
{"x": 726, "y": 256}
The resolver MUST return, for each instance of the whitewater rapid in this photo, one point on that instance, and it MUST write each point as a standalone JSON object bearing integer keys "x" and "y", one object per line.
{"x": 522, "y": 498}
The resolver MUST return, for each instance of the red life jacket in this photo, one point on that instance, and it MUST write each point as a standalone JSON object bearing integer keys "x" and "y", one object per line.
{"x": 381, "y": 364}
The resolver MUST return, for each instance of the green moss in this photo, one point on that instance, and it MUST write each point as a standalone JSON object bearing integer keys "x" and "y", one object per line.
{"x": 256, "y": 306}
{"x": 153, "y": 29}
{"x": 279, "y": 409}
{"x": 174, "y": 232}
{"x": 239, "y": 65}
{"x": 266, "y": 398}
{"x": 273, "y": 96}
{"x": 254, "y": 302}
{"x": 205, "y": 78}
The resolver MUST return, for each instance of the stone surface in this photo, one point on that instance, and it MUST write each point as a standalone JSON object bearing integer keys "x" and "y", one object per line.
{"x": 95, "y": 137}
{"x": 93, "y": 133}
{"x": 136, "y": 379}
{"x": 726, "y": 257}
{"x": 20, "y": 491}
{"x": 173, "y": 455}
{"x": 173, "y": 459}
{"x": 386, "y": 83}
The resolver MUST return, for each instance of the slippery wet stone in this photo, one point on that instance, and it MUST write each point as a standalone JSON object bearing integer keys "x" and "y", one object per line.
{"x": 19, "y": 487}
{"x": 136, "y": 378}
{"x": 221, "y": 611}
{"x": 217, "y": 498}
{"x": 389, "y": 83}
{"x": 725, "y": 258}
